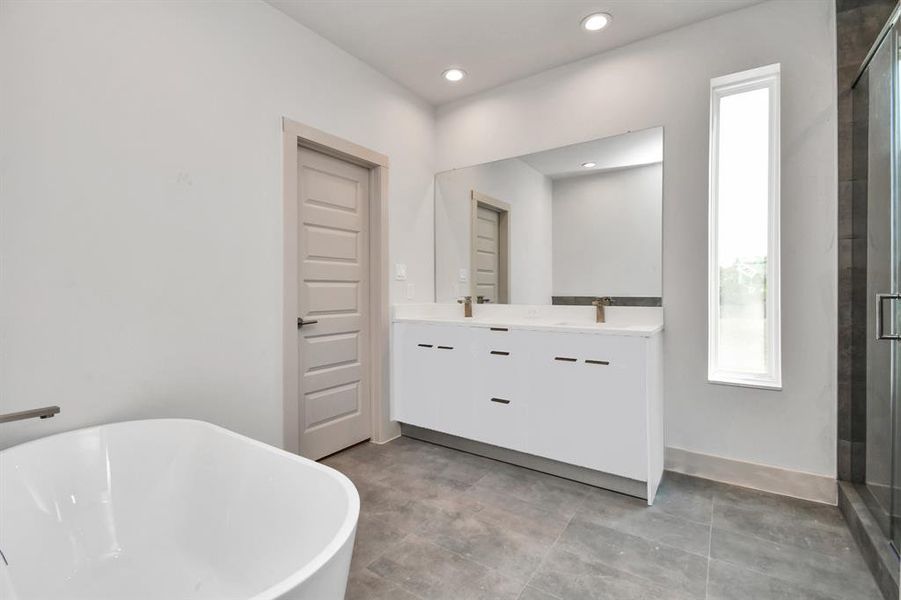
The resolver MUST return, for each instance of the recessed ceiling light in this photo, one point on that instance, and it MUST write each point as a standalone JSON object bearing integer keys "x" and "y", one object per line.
{"x": 589, "y": 165}
{"x": 454, "y": 74}
{"x": 596, "y": 21}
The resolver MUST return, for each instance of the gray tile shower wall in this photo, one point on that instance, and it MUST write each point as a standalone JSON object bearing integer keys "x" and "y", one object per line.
{"x": 857, "y": 24}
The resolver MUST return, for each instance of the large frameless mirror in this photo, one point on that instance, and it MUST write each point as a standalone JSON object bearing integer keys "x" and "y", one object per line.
{"x": 561, "y": 226}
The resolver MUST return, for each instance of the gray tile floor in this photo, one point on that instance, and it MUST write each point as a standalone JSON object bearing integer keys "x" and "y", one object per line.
{"x": 440, "y": 524}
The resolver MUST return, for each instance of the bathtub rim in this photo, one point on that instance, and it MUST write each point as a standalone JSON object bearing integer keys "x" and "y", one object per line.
{"x": 346, "y": 530}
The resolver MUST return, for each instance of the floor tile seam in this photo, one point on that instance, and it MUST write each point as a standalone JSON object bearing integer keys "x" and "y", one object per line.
{"x": 548, "y": 553}
{"x": 546, "y": 593}
{"x": 474, "y": 483}
{"x": 616, "y": 568}
{"x": 657, "y": 585}
{"x": 519, "y": 530}
{"x": 656, "y": 543}
{"x": 781, "y": 503}
{"x": 524, "y": 501}
{"x": 384, "y": 552}
{"x": 686, "y": 519}
{"x": 709, "y": 547}
{"x": 837, "y": 523}
{"x": 750, "y": 567}
{"x": 661, "y": 508}
{"x": 621, "y": 529}
{"x": 473, "y": 561}
{"x": 395, "y": 584}
{"x": 487, "y": 507}
{"x": 842, "y": 559}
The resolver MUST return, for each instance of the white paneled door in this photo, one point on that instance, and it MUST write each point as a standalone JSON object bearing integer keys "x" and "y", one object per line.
{"x": 486, "y": 253}
{"x": 332, "y": 303}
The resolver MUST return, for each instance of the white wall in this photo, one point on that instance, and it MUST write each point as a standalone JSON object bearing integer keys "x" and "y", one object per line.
{"x": 607, "y": 230}
{"x": 665, "y": 81}
{"x": 528, "y": 193}
{"x": 141, "y": 203}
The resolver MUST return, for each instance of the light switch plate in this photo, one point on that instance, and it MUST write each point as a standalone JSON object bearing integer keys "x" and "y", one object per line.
{"x": 411, "y": 291}
{"x": 464, "y": 275}
{"x": 400, "y": 272}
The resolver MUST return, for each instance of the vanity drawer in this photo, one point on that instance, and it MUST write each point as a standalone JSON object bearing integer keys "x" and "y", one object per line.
{"x": 500, "y": 362}
{"x": 498, "y": 339}
{"x": 501, "y": 420}
{"x": 611, "y": 351}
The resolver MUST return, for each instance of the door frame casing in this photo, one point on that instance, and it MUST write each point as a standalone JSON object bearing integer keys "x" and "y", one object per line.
{"x": 503, "y": 243}
{"x": 294, "y": 136}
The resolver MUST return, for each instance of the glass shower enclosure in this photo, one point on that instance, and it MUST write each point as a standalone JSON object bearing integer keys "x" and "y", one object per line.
{"x": 876, "y": 170}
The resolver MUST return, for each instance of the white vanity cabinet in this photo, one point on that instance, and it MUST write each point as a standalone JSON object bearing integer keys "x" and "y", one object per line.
{"x": 586, "y": 403}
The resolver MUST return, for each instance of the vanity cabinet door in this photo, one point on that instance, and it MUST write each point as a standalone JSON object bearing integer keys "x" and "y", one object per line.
{"x": 500, "y": 402}
{"x": 414, "y": 360}
{"x": 431, "y": 377}
{"x": 451, "y": 379}
{"x": 589, "y": 406}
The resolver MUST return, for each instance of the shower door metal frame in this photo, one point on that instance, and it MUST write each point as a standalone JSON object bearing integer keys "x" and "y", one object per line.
{"x": 890, "y": 34}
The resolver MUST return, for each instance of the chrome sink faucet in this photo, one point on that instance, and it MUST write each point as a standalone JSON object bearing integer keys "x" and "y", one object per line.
{"x": 466, "y": 301}
{"x": 599, "y": 305}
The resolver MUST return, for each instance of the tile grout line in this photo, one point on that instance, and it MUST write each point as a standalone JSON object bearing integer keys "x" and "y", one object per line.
{"x": 784, "y": 542}
{"x": 383, "y": 552}
{"x": 549, "y": 550}
{"x": 759, "y": 571}
{"x": 709, "y": 547}
{"x": 471, "y": 560}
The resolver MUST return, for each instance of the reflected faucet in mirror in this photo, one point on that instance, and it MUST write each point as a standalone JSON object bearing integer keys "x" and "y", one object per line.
{"x": 466, "y": 301}
{"x": 599, "y": 305}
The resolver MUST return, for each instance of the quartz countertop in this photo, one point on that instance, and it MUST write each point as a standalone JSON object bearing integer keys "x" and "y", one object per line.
{"x": 620, "y": 320}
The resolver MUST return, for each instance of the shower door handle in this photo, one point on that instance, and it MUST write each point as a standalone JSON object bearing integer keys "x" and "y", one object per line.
{"x": 880, "y": 316}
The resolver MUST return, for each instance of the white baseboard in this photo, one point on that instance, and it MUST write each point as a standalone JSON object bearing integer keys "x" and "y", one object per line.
{"x": 380, "y": 442}
{"x": 796, "y": 484}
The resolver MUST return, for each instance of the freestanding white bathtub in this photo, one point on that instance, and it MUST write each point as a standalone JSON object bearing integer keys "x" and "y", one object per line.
{"x": 171, "y": 509}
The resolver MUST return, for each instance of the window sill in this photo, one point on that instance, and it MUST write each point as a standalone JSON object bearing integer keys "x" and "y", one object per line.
{"x": 760, "y": 384}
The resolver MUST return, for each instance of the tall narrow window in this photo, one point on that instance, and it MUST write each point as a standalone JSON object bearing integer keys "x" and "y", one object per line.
{"x": 744, "y": 346}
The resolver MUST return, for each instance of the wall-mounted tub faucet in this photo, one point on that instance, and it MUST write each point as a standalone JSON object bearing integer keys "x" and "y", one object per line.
{"x": 35, "y": 413}
{"x": 599, "y": 304}
{"x": 466, "y": 301}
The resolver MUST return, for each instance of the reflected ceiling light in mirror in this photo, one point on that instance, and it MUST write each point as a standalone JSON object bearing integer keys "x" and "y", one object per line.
{"x": 589, "y": 165}
{"x": 596, "y": 21}
{"x": 454, "y": 75}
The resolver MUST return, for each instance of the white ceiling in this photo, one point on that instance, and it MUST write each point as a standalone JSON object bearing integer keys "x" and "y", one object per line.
{"x": 494, "y": 41}
{"x": 631, "y": 149}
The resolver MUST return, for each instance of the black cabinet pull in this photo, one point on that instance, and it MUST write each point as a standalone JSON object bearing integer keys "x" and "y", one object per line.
{"x": 499, "y": 329}
{"x": 500, "y": 353}
{"x": 500, "y": 401}
{"x": 424, "y": 345}
{"x": 565, "y": 359}
{"x": 445, "y": 347}
{"x": 596, "y": 362}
